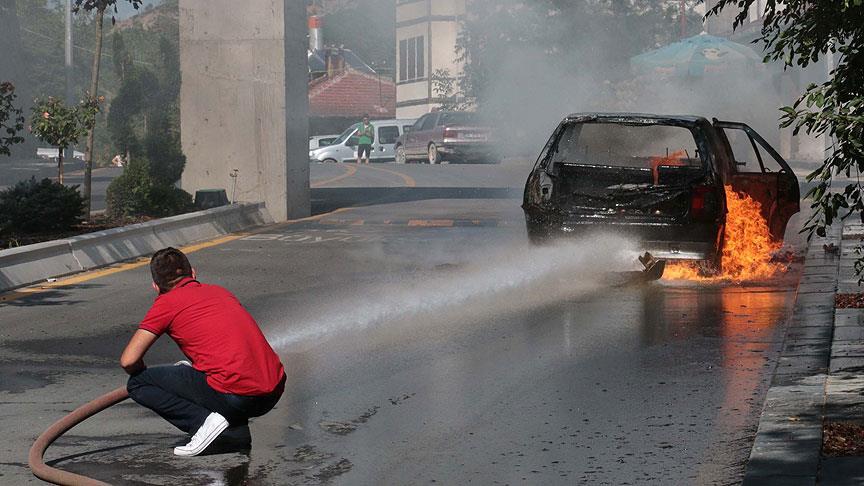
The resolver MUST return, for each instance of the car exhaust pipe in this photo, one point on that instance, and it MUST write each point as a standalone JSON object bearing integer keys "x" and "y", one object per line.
{"x": 37, "y": 451}
{"x": 653, "y": 268}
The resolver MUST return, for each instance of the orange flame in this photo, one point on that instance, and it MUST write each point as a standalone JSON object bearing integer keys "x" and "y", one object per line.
{"x": 747, "y": 248}
{"x": 673, "y": 160}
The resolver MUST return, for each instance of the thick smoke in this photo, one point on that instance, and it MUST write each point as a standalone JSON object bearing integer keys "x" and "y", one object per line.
{"x": 529, "y": 88}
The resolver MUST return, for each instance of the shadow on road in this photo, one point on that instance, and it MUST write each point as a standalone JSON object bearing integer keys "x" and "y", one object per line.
{"x": 328, "y": 199}
{"x": 52, "y": 296}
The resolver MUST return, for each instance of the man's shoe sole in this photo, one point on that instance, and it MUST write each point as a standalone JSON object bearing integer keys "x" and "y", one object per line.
{"x": 182, "y": 451}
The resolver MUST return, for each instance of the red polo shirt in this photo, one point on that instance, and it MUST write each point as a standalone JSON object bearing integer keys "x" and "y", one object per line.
{"x": 216, "y": 333}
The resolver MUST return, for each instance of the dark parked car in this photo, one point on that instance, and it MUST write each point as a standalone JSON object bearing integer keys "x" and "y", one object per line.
{"x": 657, "y": 178}
{"x": 446, "y": 135}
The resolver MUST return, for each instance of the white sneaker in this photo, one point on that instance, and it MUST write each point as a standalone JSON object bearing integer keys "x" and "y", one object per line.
{"x": 213, "y": 425}
{"x": 183, "y": 362}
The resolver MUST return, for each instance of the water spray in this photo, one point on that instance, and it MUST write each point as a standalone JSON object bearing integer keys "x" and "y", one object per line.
{"x": 509, "y": 279}
{"x": 539, "y": 275}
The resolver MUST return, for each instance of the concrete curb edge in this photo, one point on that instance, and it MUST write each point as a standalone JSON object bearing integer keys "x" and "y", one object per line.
{"x": 36, "y": 263}
{"x": 787, "y": 447}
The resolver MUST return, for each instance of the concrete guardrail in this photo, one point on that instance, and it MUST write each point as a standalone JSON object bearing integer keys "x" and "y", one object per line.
{"x": 30, "y": 264}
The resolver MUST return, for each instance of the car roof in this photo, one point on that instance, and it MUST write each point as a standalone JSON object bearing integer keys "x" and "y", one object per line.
{"x": 393, "y": 121}
{"x": 647, "y": 118}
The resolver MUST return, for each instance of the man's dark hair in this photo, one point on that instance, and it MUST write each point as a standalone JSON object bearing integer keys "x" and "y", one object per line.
{"x": 168, "y": 266}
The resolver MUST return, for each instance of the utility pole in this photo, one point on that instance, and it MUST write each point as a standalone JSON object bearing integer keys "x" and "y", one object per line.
{"x": 70, "y": 92}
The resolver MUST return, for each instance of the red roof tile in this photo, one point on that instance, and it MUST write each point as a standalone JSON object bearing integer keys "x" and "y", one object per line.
{"x": 352, "y": 93}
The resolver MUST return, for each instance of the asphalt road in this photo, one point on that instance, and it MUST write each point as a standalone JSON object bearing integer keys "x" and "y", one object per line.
{"x": 425, "y": 342}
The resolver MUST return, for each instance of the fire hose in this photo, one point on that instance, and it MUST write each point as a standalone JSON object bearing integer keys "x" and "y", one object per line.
{"x": 60, "y": 427}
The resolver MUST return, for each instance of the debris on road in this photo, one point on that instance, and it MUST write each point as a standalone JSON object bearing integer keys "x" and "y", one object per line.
{"x": 842, "y": 439}
{"x": 333, "y": 470}
{"x": 309, "y": 453}
{"x": 338, "y": 428}
{"x": 849, "y": 301}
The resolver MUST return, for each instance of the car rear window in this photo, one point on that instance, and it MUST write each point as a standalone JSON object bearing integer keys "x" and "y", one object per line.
{"x": 458, "y": 118}
{"x": 618, "y": 145}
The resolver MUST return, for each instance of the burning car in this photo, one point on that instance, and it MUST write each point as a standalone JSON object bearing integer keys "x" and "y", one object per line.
{"x": 662, "y": 180}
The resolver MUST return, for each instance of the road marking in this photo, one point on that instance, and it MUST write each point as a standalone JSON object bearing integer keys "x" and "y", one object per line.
{"x": 408, "y": 180}
{"x": 431, "y": 223}
{"x": 351, "y": 170}
{"x": 137, "y": 263}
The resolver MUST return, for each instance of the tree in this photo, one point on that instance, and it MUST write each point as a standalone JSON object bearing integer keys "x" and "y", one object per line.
{"x": 801, "y": 32}
{"x": 100, "y": 6}
{"x": 367, "y": 28}
{"x": 62, "y": 126}
{"x": 11, "y": 119}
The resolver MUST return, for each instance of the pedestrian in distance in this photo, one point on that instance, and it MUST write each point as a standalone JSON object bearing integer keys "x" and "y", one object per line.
{"x": 365, "y": 139}
{"x": 232, "y": 374}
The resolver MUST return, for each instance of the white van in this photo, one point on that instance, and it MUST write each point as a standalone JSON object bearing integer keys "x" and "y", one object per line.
{"x": 344, "y": 148}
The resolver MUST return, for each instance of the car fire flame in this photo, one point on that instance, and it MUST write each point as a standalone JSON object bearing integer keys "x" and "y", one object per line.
{"x": 747, "y": 250}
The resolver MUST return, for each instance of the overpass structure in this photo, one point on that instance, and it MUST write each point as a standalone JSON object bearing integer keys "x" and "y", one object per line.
{"x": 243, "y": 101}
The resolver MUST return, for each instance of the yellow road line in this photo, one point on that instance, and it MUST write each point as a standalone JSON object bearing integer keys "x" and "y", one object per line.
{"x": 351, "y": 170}
{"x": 431, "y": 223}
{"x": 408, "y": 180}
{"x": 138, "y": 263}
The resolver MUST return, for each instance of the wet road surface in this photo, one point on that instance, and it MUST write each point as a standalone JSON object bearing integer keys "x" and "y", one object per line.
{"x": 420, "y": 355}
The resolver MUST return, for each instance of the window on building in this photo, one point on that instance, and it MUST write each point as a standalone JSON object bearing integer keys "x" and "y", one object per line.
{"x": 412, "y": 59}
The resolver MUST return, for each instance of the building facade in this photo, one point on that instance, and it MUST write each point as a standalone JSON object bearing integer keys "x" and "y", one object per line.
{"x": 426, "y": 33}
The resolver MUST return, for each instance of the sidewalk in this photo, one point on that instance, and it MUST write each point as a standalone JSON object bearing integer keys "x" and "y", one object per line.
{"x": 819, "y": 377}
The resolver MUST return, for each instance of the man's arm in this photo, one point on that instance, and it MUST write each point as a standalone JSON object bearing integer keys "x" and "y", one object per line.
{"x": 132, "y": 359}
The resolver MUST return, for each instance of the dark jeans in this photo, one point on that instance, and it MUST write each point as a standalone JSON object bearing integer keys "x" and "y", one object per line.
{"x": 362, "y": 149}
{"x": 180, "y": 394}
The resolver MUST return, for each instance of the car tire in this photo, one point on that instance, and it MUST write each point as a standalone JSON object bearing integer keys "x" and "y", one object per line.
{"x": 401, "y": 157}
{"x": 329, "y": 161}
{"x": 434, "y": 155}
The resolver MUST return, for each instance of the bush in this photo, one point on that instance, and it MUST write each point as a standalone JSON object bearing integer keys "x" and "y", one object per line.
{"x": 137, "y": 193}
{"x": 39, "y": 207}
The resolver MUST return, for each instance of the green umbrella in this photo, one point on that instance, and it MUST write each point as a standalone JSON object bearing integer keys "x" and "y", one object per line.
{"x": 695, "y": 56}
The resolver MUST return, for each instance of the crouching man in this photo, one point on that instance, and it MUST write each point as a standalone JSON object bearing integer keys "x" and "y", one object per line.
{"x": 234, "y": 374}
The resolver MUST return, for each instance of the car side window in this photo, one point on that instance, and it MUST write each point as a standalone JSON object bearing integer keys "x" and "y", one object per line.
{"x": 747, "y": 155}
{"x": 750, "y": 155}
{"x": 419, "y": 123}
{"x": 429, "y": 122}
{"x": 388, "y": 135}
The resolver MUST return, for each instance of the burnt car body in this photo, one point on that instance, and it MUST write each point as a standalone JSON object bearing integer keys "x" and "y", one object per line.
{"x": 656, "y": 178}
{"x": 446, "y": 135}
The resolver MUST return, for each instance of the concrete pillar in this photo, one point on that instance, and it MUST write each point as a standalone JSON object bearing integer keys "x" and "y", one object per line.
{"x": 243, "y": 101}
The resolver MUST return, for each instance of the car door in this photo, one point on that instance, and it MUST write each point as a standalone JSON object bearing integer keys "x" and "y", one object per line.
{"x": 422, "y": 136}
{"x": 411, "y": 142}
{"x": 760, "y": 172}
{"x": 348, "y": 151}
{"x": 384, "y": 142}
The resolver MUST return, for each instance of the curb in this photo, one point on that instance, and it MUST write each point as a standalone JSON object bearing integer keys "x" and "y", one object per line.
{"x": 819, "y": 377}
{"x": 787, "y": 447}
{"x": 844, "y": 389}
{"x": 30, "y": 264}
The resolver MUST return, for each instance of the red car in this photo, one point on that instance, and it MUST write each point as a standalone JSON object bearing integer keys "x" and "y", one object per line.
{"x": 456, "y": 137}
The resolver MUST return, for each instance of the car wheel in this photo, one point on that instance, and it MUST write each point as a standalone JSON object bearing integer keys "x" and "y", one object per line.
{"x": 329, "y": 161}
{"x": 401, "y": 158}
{"x": 434, "y": 155}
